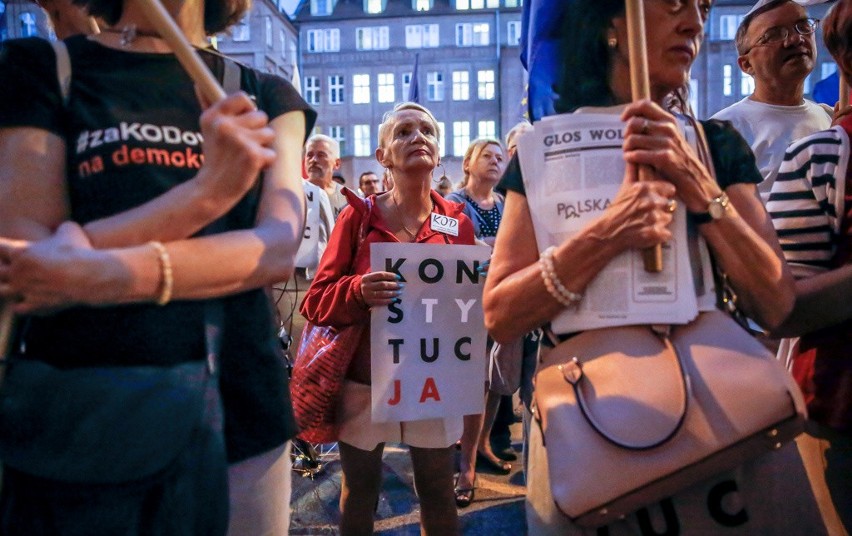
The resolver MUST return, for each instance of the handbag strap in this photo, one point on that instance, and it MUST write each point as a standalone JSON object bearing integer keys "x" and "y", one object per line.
{"x": 573, "y": 374}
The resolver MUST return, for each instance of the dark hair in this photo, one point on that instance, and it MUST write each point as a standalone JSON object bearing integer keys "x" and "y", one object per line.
{"x": 587, "y": 60}
{"x": 362, "y": 175}
{"x": 585, "y": 56}
{"x": 837, "y": 34}
{"x": 218, "y": 14}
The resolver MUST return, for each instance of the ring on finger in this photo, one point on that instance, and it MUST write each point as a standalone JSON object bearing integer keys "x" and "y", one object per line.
{"x": 671, "y": 205}
{"x": 646, "y": 127}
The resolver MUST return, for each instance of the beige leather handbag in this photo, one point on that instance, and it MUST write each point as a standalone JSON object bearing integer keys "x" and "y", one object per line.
{"x": 631, "y": 415}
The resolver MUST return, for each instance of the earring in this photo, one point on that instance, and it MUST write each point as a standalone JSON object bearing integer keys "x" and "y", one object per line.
{"x": 443, "y": 171}
{"x": 612, "y": 42}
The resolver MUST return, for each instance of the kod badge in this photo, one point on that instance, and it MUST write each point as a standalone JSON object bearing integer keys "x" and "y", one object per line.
{"x": 444, "y": 224}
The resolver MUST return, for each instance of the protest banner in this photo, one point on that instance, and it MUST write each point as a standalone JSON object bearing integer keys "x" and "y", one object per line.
{"x": 428, "y": 349}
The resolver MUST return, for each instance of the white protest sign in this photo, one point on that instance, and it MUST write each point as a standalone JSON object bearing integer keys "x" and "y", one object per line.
{"x": 308, "y": 254}
{"x": 428, "y": 350}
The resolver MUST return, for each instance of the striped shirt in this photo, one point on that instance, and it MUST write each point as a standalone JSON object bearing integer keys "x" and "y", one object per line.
{"x": 807, "y": 199}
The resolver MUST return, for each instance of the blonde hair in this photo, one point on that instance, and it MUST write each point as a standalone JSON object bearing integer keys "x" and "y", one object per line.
{"x": 473, "y": 151}
{"x": 516, "y": 131}
{"x": 389, "y": 118}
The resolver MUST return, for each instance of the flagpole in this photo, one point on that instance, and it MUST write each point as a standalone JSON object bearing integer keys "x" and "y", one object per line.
{"x": 641, "y": 89}
{"x": 169, "y": 30}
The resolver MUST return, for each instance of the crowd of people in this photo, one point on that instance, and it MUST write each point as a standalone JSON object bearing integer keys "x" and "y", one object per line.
{"x": 111, "y": 261}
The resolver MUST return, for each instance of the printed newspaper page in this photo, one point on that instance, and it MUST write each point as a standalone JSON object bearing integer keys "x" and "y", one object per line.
{"x": 573, "y": 168}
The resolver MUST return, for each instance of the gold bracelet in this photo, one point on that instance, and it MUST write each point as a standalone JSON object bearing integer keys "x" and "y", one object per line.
{"x": 166, "y": 273}
{"x": 553, "y": 284}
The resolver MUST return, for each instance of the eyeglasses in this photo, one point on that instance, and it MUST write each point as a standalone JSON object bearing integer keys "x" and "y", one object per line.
{"x": 780, "y": 34}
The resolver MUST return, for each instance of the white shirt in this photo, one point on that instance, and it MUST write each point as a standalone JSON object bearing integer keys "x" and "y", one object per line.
{"x": 770, "y": 128}
{"x": 319, "y": 222}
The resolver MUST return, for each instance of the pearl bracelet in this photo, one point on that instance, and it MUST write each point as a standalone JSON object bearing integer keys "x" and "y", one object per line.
{"x": 553, "y": 284}
{"x": 166, "y": 273}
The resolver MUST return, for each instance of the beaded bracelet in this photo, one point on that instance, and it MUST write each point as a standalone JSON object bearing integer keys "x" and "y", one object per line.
{"x": 553, "y": 284}
{"x": 166, "y": 271}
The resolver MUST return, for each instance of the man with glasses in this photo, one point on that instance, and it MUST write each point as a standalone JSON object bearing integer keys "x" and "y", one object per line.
{"x": 777, "y": 47}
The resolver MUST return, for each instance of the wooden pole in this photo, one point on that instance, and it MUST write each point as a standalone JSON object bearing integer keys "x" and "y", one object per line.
{"x": 94, "y": 29}
{"x": 641, "y": 89}
{"x": 169, "y": 30}
{"x": 844, "y": 92}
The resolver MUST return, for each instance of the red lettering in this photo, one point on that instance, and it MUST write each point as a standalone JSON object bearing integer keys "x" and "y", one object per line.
{"x": 120, "y": 156}
{"x": 430, "y": 390}
{"x": 178, "y": 159}
{"x": 137, "y": 156}
{"x": 397, "y": 396}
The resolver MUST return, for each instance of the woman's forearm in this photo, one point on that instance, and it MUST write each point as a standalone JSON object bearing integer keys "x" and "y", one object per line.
{"x": 516, "y": 299}
{"x": 191, "y": 206}
{"x": 746, "y": 247}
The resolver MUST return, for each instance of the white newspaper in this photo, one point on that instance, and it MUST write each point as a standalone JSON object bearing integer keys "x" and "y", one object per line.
{"x": 573, "y": 167}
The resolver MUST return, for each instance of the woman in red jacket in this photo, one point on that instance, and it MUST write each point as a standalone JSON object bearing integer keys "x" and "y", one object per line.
{"x": 342, "y": 294}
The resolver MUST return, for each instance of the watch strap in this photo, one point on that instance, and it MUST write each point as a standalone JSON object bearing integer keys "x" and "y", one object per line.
{"x": 700, "y": 217}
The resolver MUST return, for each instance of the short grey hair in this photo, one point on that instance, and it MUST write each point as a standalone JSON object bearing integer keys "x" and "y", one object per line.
{"x": 742, "y": 30}
{"x": 390, "y": 117}
{"x": 333, "y": 144}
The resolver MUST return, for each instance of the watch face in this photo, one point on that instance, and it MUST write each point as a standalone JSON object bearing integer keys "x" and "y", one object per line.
{"x": 716, "y": 209}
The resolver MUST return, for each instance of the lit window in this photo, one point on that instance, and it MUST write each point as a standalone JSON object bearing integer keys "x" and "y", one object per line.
{"x": 461, "y": 137}
{"x": 746, "y": 84}
{"x": 28, "y": 24}
{"x": 282, "y": 43}
{"x": 462, "y": 4}
{"x": 727, "y": 80}
{"x": 327, "y": 40}
{"x": 335, "y": 89}
{"x": 513, "y": 33}
{"x": 361, "y": 89}
{"x": 461, "y": 85}
{"x": 268, "y": 22}
{"x": 421, "y": 36}
{"x": 374, "y": 6}
{"x": 338, "y": 133}
{"x": 321, "y": 7}
{"x": 375, "y": 38}
{"x": 422, "y": 5}
{"x": 242, "y": 30}
{"x": 511, "y": 3}
{"x": 728, "y": 25}
{"x": 386, "y": 87}
{"x": 435, "y": 86}
{"x": 406, "y": 84}
{"x": 312, "y": 89}
{"x": 472, "y": 34}
{"x": 487, "y": 129}
{"x": 362, "y": 140}
{"x": 827, "y": 68}
{"x": 442, "y": 137}
{"x": 485, "y": 84}
{"x": 808, "y": 85}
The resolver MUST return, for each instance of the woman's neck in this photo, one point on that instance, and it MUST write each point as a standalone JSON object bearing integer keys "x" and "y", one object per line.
{"x": 411, "y": 193}
{"x": 479, "y": 191}
{"x": 188, "y": 14}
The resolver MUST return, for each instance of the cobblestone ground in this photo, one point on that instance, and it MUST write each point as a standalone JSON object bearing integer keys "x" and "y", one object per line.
{"x": 498, "y": 508}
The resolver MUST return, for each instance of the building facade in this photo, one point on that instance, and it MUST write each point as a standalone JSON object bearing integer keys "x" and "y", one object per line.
{"x": 265, "y": 39}
{"x": 358, "y": 59}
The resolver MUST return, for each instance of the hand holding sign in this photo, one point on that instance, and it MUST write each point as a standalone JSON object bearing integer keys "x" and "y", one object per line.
{"x": 381, "y": 288}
